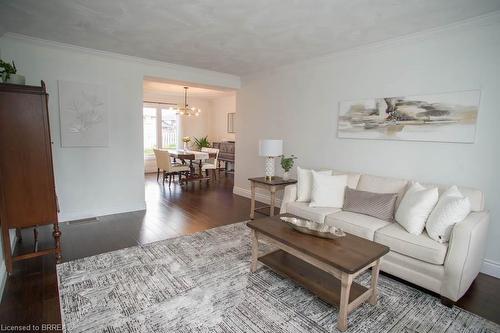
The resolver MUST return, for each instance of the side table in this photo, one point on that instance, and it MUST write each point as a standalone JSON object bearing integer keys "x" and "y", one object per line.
{"x": 273, "y": 185}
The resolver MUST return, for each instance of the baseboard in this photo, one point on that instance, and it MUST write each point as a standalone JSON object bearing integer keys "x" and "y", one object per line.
{"x": 3, "y": 270}
{"x": 260, "y": 197}
{"x": 65, "y": 217}
{"x": 491, "y": 267}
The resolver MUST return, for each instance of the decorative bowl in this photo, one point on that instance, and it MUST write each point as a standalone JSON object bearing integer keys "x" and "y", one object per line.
{"x": 313, "y": 228}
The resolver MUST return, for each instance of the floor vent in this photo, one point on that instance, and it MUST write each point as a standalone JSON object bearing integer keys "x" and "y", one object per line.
{"x": 84, "y": 221}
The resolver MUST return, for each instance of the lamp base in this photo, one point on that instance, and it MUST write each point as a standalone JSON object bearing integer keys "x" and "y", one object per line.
{"x": 269, "y": 168}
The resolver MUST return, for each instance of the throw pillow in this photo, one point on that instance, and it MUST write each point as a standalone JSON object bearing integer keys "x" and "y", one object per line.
{"x": 451, "y": 208}
{"x": 327, "y": 190}
{"x": 415, "y": 208}
{"x": 379, "y": 205}
{"x": 304, "y": 183}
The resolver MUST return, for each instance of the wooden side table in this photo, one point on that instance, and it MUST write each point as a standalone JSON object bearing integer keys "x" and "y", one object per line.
{"x": 273, "y": 185}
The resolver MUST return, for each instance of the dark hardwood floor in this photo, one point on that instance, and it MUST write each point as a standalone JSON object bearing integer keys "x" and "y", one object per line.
{"x": 31, "y": 296}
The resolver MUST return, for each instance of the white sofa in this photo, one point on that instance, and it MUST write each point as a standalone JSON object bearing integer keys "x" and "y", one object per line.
{"x": 447, "y": 269}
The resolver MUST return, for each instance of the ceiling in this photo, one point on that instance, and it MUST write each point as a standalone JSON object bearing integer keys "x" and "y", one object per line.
{"x": 170, "y": 89}
{"x": 232, "y": 36}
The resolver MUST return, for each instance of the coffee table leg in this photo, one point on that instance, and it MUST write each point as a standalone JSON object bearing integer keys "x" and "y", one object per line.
{"x": 344, "y": 301}
{"x": 252, "y": 203}
{"x": 374, "y": 281}
{"x": 255, "y": 251}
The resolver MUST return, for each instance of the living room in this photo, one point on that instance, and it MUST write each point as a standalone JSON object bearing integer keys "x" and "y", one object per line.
{"x": 316, "y": 81}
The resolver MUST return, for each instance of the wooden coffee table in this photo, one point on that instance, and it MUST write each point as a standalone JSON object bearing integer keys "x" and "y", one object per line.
{"x": 326, "y": 267}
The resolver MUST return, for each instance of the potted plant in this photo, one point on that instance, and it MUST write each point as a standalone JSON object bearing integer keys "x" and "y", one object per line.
{"x": 186, "y": 140}
{"x": 9, "y": 73}
{"x": 287, "y": 165}
{"x": 202, "y": 142}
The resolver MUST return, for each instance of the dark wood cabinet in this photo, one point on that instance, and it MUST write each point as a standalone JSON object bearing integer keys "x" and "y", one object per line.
{"x": 27, "y": 189}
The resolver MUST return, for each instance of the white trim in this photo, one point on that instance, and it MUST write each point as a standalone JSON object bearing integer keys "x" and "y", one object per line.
{"x": 3, "y": 270}
{"x": 491, "y": 267}
{"x": 230, "y": 80}
{"x": 260, "y": 197}
{"x": 66, "y": 217}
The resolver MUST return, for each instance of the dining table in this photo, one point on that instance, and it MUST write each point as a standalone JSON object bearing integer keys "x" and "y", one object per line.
{"x": 189, "y": 156}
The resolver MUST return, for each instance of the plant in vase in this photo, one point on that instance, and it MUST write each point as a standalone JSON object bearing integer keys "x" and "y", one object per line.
{"x": 9, "y": 73}
{"x": 186, "y": 141}
{"x": 202, "y": 142}
{"x": 287, "y": 165}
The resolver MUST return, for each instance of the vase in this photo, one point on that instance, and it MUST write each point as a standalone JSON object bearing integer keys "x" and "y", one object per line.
{"x": 286, "y": 175}
{"x": 15, "y": 79}
{"x": 185, "y": 146}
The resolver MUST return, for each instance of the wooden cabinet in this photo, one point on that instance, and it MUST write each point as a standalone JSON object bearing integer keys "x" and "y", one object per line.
{"x": 27, "y": 189}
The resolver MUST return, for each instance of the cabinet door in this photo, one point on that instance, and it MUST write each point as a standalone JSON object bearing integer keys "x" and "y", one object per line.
{"x": 27, "y": 190}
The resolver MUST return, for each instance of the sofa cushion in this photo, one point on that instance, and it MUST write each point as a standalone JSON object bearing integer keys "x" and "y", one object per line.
{"x": 420, "y": 247}
{"x": 476, "y": 197}
{"x": 352, "y": 178}
{"x": 415, "y": 208}
{"x": 304, "y": 183}
{"x": 328, "y": 190}
{"x": 378, "y": 184}
{"x": 356, "y": 224}
{"x": 379, "y": 205}
{"x": 316, "y": 214}
{"x": 451, "y": 209}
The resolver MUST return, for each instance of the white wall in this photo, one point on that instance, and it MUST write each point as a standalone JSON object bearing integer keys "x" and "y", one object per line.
{"x": 99, "y": 181}
{"x": 299, "y": 104}
{"x": 221, "y": 106}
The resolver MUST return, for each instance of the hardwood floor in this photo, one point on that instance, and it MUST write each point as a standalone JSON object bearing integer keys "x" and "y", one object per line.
{"x": 31, "y": 295}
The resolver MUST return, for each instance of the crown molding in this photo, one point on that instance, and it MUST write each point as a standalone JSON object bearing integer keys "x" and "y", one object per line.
{"x": 235, "y": 80}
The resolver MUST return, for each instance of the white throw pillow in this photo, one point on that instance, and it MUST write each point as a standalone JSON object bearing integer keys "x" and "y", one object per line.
{"x": 451, "y": 208}
{"x": 304, "y": 183}
{"x": 415, "y": 208}
{"x": 327, "y": 190}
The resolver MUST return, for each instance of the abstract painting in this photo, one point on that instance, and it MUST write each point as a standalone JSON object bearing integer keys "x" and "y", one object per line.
{"x": 447, "y": 117}
{"x": 83, "y": 114}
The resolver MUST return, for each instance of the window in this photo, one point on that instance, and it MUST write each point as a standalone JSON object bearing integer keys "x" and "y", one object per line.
{"x": 168, "y": 128}
{"x": 160, "y": 128}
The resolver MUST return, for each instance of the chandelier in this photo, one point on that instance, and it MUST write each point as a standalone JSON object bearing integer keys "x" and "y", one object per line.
{"x": 186, "y": 110}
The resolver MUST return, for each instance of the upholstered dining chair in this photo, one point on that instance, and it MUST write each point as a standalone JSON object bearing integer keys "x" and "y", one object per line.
{"x": 212, "y": 163}
{"x": 169, "y": 169}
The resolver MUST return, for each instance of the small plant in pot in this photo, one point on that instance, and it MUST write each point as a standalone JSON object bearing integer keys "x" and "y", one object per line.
{"x": 287, "y": 165}
{"x": 202, "y": 142}
{"x": 9, "y": 73}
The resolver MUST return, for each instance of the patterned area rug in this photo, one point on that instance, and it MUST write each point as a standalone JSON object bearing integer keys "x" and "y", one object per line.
{"x": 202, "y": 283}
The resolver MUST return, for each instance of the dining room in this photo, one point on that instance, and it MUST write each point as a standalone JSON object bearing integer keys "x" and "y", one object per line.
{"x": 189, "y": 134}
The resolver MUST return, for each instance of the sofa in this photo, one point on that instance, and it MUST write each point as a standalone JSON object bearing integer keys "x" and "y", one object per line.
{"x": 444, "y": 268}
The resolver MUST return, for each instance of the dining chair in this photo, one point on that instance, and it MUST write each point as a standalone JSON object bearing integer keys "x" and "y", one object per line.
{"x": 211, "y": 163}
{"x": 169, "y": 169}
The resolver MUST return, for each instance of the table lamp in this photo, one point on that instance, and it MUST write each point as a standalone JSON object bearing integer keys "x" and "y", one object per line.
{"x": 270, "y": 149}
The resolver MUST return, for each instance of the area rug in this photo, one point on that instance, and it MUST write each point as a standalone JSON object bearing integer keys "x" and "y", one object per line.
{"x": 202, "y": 283}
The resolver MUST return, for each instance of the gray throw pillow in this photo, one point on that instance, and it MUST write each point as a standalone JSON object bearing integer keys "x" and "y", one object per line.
{"x": 379, "y": 205}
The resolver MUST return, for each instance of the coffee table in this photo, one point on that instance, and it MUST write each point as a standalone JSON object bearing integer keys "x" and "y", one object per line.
{"x": 326, "y": 267}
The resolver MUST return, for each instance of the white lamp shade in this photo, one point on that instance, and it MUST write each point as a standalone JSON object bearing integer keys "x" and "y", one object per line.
{"x": 270, "y": 148}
